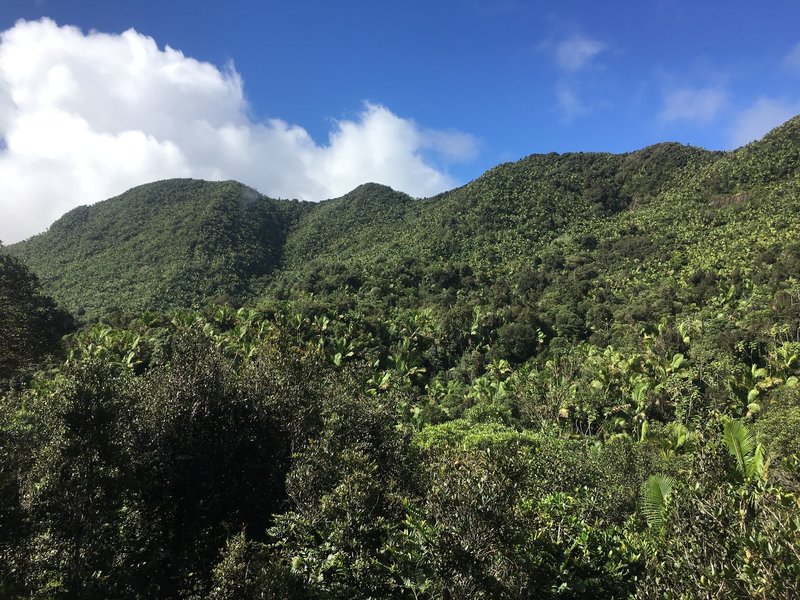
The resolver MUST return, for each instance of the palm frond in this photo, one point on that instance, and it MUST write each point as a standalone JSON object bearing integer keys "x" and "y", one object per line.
{"x": 741, "y": 444}
{"x": 655, "y": 494}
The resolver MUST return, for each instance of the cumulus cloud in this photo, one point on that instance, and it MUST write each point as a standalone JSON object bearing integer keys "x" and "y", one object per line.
{"x": 697, "y": 105}
{"x": 759, "y": 118}
{"x": 576, "y": 51}
{"x": 86, "y": 116}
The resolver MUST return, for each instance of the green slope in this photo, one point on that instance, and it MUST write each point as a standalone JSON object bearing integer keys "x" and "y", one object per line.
{"x": 656, "y": 212}
{"x": 508, "y": 209}
{"x": 582, "y": 247}
{"x": 169, "y": 243}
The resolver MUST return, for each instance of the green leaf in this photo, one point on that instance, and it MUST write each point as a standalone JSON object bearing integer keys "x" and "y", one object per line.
{"x": 750, "y": 458}
{"x": 655, "y": 495}
{"x": 643, "y": 434}
{"x": 740, "y": 442}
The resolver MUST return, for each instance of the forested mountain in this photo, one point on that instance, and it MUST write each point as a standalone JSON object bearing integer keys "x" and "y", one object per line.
{"x": 574, "y": 377}
{"x": 184, "y": 242}
{"x": 161, "y": 245}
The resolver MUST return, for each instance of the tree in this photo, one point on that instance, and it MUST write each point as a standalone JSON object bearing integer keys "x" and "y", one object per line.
{"x": 31, "y": 325}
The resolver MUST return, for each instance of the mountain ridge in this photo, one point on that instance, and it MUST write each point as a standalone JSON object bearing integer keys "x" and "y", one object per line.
{"x": 184, "y": 242}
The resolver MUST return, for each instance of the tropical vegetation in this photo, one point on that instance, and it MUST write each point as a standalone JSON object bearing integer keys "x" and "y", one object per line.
{"x": 574, "y": 377}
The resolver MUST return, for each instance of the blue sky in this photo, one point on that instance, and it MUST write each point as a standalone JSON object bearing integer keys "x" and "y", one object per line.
{"x": 439, "y": 91}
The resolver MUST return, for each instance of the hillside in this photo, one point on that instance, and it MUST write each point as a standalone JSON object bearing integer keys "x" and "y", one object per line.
{"x": 562, "y": 243}
{"x": 169, "y": 243}
{"x": 183, "y": 242}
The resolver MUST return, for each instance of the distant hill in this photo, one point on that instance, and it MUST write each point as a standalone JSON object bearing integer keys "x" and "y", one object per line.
{"x": 170, "y": 243}
{"x": 667, "y": 208}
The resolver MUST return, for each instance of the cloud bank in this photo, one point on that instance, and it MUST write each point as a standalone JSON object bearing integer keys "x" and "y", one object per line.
{"x": 86, "y": 116}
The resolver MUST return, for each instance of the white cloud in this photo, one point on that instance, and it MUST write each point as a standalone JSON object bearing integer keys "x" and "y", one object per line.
{"x": 792, "y": 60}
{"x": 577, "y": 51}
{"x": 85, "y": 116}
{"x": 694, "y": 105}
{"x": 452, "y": 145}
{"x": 759, "y": 118}
{"x": 569, "y": 104}
{"x": 572, "y": 55}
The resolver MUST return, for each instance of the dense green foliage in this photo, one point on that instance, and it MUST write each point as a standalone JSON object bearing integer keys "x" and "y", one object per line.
{"x": 187, "y": 242}
{"x": 575, "y": 377}
{"x": 171, "y": 243}
{"x": 31, "y": 326}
